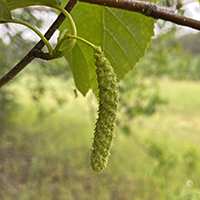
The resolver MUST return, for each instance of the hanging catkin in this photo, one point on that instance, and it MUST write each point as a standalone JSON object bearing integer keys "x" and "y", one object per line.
{"x": 108, "y": 105}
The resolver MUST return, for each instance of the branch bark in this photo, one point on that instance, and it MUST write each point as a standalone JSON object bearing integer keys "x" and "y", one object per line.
{"x": 144, "y": 7}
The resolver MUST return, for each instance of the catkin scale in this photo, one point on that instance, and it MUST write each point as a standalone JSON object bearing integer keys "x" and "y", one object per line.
{"x": 108, "y": 105}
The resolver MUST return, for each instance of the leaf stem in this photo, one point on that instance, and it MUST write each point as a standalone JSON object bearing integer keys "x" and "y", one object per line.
{"x": 83, "y": 40}
{"x": 70, "y": 46}
{"x": 35, "y": 30}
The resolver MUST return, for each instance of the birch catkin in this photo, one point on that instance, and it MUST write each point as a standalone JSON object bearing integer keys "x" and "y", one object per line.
{"x": 108, "y": 105}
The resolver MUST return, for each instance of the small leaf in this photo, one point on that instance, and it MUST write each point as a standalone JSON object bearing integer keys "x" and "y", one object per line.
{"x": 13, "y": 4}
{"x": 4, "y": 12}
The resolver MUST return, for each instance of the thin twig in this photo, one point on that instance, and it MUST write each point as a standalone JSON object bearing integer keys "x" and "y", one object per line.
{"x": 31, "y": 55}
{"x": 149, "y": 9}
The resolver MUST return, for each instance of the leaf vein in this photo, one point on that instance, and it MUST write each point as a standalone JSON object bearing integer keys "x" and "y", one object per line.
{"x": 129, "y": 31}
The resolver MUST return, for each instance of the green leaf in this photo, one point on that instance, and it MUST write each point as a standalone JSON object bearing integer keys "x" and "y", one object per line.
{"x": 13, "y": 4}
{"x": 4, "y": 12}
{"x": 79, "y": 71}
{"x": 123, "y": 35}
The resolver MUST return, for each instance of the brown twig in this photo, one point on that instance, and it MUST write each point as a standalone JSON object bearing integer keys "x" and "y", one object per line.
{"x": 149, "y": 9}
{"x": 37, "y": 48}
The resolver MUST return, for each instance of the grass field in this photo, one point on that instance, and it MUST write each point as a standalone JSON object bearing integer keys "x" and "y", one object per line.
{"x": 47, "y": 158}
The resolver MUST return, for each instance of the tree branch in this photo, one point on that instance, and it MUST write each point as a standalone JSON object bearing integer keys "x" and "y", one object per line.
{"x": 149, "y": 9}
{"x": 37, "y": 48}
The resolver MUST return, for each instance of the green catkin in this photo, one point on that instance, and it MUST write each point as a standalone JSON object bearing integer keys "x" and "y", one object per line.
{"x": 108, "y": 105}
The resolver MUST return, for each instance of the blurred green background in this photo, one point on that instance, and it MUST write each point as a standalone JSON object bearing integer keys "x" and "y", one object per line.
{"x": 46, "y": 127}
